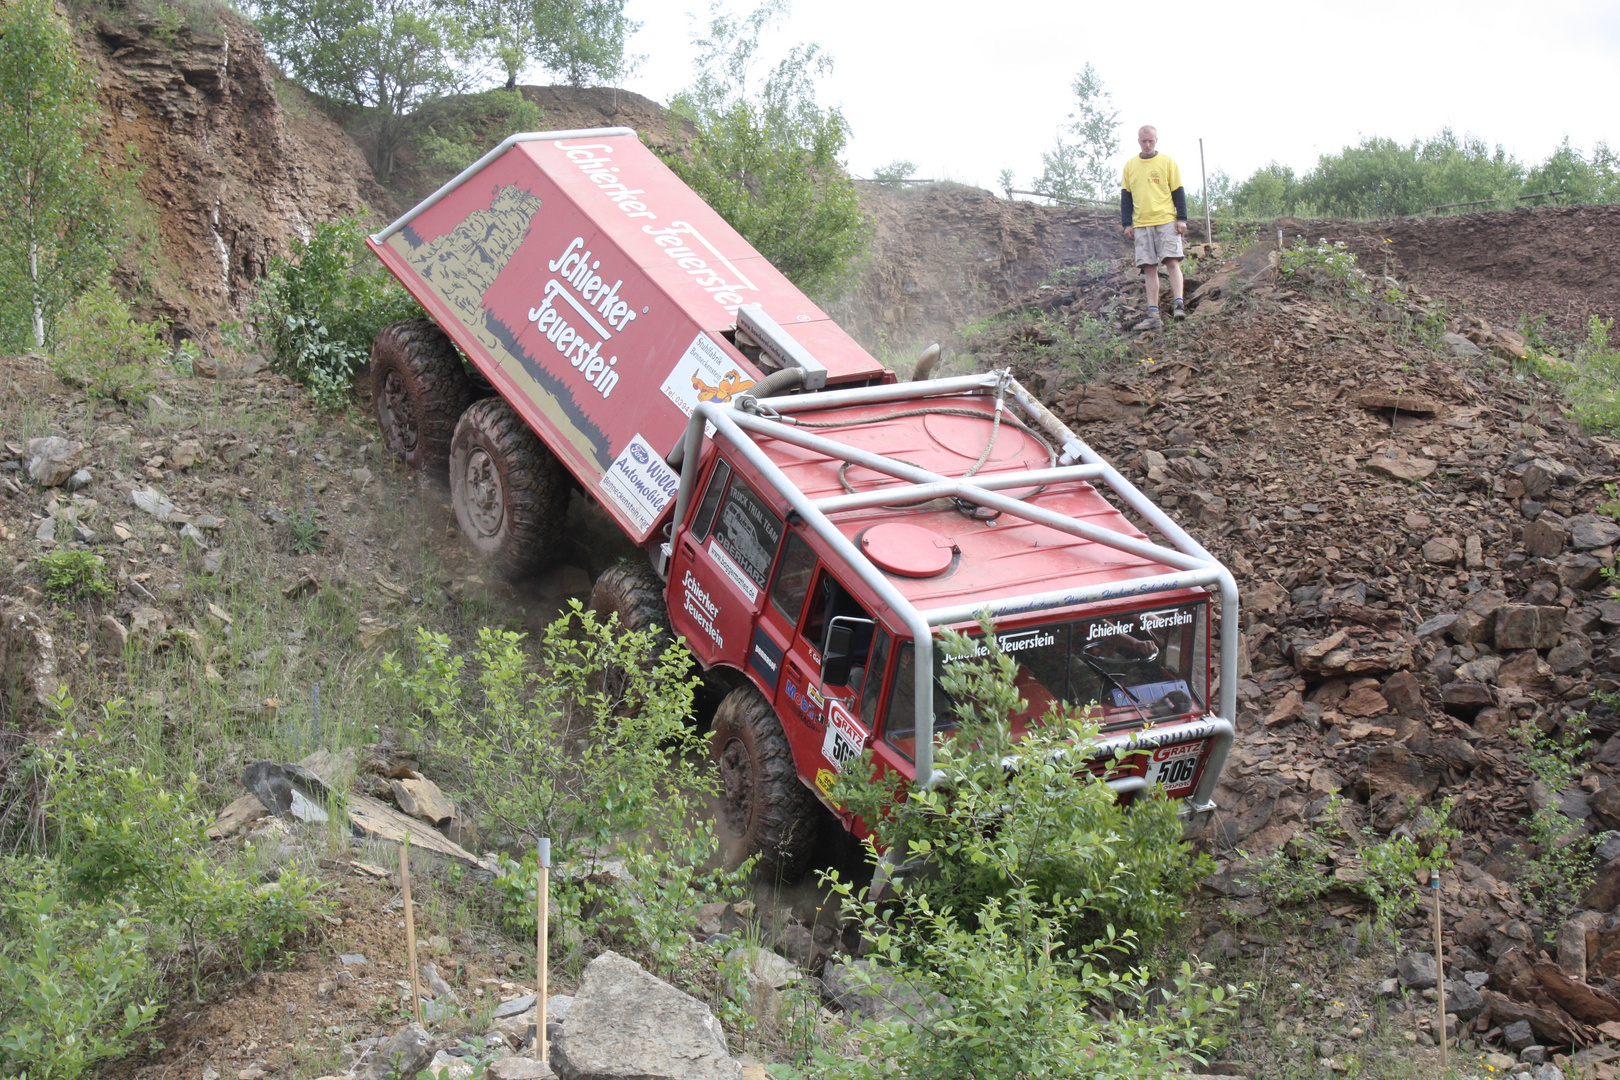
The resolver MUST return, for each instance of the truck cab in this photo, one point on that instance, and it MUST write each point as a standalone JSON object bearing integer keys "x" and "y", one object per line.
{"x": 812, "y": 560}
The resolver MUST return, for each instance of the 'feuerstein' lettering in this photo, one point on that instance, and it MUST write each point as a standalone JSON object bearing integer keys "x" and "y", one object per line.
{"x": 581, "y": 326}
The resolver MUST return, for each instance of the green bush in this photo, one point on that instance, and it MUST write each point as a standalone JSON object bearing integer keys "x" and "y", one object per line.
{"x": 121, "y": 836}
{"x": 1594, "y": 388}
{"x": 319, "y": 311}
{"x": 1386, "y": 872}
{"x": 103, "y": 348}
{"x": 1328, "y": 266}
{"x": 70, "y": 575}
{"x": 1038, "y": 890}
{"x": 607, "y": 767}
{"x": 71, "y": 978}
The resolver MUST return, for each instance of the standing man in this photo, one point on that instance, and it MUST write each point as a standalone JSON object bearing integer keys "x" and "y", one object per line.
{"x": 1153, "y": 209}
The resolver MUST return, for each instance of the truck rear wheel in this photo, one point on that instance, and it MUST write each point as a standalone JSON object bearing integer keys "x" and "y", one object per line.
{"x": 764, "y": 809}
{"x": 510, "y": 493}
{"x": 419, "y": 389}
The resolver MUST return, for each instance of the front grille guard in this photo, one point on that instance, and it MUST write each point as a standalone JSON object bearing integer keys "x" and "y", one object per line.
{"x": 1193, "y": 565}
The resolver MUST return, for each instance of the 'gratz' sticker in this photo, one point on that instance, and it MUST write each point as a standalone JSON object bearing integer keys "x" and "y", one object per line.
{"x": 845, "y": 737}
{"x": 1175, "y": 767}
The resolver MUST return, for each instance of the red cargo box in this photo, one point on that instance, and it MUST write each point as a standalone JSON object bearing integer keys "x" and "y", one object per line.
{"x": 593, "y": 288}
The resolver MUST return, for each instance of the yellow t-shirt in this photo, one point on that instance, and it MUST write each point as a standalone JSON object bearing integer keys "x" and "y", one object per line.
{"x": 1150, "y": 182}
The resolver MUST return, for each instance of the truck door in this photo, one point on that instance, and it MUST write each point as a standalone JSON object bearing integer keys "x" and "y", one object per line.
{"x": 720, "y": 566}
{"x": 823, "y": 718}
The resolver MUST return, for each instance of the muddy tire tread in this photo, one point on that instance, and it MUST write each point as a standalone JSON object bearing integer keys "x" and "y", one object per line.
{"x": 432, "y": 368}
{"x": 536, "y": 485}
{"x": 786, "y": 820}
{"x": 632, "y": 589}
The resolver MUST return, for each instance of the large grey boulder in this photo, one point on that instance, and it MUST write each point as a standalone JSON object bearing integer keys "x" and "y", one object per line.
{"x": 52, "y": 459}
{"x": 625, "y": 1024}
{"x": 406, "y": 1054}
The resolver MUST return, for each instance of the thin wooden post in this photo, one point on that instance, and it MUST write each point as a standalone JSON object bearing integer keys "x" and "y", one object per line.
{"x": 1439, "y": 962}
{"x": 1209, "y": 231}
{"x": 410, "y": 928}
{"x": 542, "y": 896}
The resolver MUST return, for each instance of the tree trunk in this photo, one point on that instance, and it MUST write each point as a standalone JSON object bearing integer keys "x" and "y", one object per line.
{"x": 36, "y": 297}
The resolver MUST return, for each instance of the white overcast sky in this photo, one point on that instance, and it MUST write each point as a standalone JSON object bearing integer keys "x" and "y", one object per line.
{"x": 966, "y": 89}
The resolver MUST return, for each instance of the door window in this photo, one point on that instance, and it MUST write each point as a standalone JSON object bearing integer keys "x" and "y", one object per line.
{"x": 793, "y": 574}
{"x": 746, "y": 535}
{"x": 829, "y": 600}
{"x": 703, "y": 520}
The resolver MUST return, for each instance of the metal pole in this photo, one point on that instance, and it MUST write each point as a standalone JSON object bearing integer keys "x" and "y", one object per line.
{"x": 1439, "y": 962}
{"x": 1203, "y": 176}
{"x": 542, "y": 894}
{"x": 410, "y": 928}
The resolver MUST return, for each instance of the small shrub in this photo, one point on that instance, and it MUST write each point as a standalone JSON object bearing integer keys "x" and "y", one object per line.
{"x": 1594, "y": 388}
{"x": 1385, "y": 871}
{"x": 70, "y": 980}
{"x": 1016, "y": 943}
{"x": 104, "y": 349}
{"x": 71, "y": 575}
{"x": 1328, "y": 266}
{"x": 120, "y": 834}
{"x": 1562, "y": 867}
{"x": 608, "y": 768}
{"x": 319, "y": 311}
{"x": 304, "y": 531}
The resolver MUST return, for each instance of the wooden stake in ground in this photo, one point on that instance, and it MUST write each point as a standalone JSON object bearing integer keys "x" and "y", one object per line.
{"x": 1209, "y": 234}
{"x": 410, "y": 928}
{"x": 1439, "y": 962}
{"x": 542, "y": 899}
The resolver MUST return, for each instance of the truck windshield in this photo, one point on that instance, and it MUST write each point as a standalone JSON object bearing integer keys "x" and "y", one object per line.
{"x": 1132, "y": 668}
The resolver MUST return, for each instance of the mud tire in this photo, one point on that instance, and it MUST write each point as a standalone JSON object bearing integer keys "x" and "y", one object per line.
{"x": 509, "y": 492}
{"x": 631, "y": 590}
{"x": 418, "y": 391}
{"x": 764, "y": 809}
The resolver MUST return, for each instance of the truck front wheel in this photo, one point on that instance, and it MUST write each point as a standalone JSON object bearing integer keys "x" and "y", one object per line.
{"x": 419, "y": 390}
{"x": 764, "y": 809}
{"x": 510, "y": 493}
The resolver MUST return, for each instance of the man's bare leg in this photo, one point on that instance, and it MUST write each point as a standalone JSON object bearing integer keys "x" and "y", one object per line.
{"x": 1173, "y": 268}
{"x": 1150, "y": 277}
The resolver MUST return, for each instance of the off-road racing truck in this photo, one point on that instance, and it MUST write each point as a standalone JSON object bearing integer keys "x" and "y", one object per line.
{"x": 809, "y": 520}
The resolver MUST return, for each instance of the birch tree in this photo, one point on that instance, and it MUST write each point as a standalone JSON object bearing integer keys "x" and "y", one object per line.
{"x": 57, "y": 212}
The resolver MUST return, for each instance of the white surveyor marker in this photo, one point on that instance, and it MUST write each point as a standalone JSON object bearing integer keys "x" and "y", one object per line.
{"x": 542, "y": 900}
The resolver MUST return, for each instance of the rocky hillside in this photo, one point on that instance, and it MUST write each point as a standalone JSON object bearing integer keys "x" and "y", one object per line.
{"x": 1423, "y": 541}
{"x": 234, "y": 162}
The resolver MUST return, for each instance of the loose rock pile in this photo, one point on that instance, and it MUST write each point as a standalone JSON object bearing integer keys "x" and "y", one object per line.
{"x": 1421, "y": 540}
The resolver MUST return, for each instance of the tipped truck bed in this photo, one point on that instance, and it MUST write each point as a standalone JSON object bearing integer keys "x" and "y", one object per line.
{"x": 604, "y": 358}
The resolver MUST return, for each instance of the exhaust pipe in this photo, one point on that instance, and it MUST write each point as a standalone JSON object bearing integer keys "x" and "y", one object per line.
{"x": 925, "y": 363}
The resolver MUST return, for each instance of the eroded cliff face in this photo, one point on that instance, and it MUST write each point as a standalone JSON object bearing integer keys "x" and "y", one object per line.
{"x": 235, "y": 163}
{"x": 945, "y": 254}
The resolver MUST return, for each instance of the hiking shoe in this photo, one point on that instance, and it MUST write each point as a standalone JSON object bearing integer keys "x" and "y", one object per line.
{"x": 1180, "y": 311}
{"x": 1152, "y": 322}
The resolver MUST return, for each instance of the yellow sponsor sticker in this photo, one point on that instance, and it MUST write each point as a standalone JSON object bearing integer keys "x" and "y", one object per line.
{"x": 824, "y": 781}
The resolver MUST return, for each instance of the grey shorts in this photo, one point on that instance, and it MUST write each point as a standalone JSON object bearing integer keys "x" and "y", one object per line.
{"x": 1156, "y": 243}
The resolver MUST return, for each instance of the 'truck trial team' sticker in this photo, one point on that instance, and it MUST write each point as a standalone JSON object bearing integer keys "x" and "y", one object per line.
{"x": 639, "y": 483}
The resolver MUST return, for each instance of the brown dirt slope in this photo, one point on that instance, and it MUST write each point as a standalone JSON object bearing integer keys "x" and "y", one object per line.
{"x": 235, "y": 163}
{"x": 945, "y": 254}
{"x": 1562, "y": 263}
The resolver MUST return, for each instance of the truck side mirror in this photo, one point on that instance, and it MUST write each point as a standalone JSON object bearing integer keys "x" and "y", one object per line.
{"x": 839, "y": 655}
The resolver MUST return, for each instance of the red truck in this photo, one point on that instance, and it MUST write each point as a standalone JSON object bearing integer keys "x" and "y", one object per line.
{"x": 809, "y": 520}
